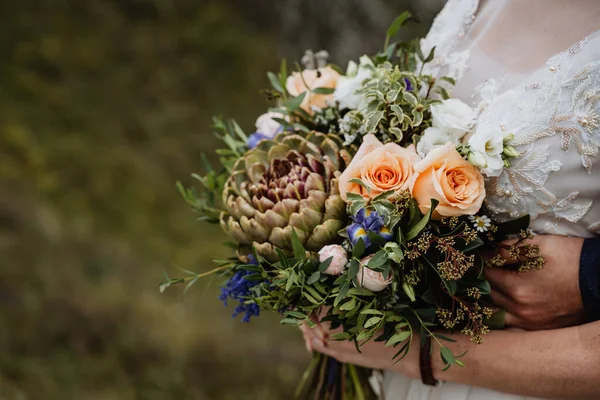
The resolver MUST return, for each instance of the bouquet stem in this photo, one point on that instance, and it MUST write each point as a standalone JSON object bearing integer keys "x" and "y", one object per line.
{"x": 328, "y": 379}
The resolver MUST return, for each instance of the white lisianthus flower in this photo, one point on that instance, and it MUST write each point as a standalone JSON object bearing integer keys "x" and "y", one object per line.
{"x": 346, "y": 90}
{"x": 432, "y": 139}
{"x": 266, "y": 125}
{"x": 453, "y": 117}
{"x": 339, "y": 260}
{"x": 490, "y": 145}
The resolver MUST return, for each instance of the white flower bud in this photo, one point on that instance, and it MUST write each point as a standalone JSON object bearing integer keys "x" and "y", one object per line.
{"x": 510, "y": 152}
{"x": 477, "y": 159}
{"x": 339, "y": 261}
{"x": 369, "y": 279}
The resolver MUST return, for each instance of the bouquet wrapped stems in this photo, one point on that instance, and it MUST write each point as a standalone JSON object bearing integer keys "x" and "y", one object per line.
{"x": 328, "y": 379}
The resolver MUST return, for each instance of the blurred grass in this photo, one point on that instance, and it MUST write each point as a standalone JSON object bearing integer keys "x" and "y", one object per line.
{"x": 105, "y": 104}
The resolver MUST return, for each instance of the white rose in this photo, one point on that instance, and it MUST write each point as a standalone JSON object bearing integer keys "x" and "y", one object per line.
{"x": 369, "y": 279}
{"x": 266, "y": 125}
{"x": 453, "y": 117}
{"x": 346, "y": 91}
{"x": 339, "y": 261}
{"x": 432, "y": 138}
{"x": 490, "y": 145}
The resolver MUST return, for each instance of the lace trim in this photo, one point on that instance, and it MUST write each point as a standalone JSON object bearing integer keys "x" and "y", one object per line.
{"x": 573, "y": 102}
{"x": 595, "y": 228}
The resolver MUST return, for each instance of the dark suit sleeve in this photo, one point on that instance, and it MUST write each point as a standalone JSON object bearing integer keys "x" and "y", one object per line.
{"x": 589, "y": 278}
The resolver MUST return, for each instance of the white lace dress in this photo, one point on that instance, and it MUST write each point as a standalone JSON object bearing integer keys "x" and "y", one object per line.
{"x": 531, "y": 68}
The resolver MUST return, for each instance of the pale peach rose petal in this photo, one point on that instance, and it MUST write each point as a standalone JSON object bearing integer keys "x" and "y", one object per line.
{"x": 445, "y": 176}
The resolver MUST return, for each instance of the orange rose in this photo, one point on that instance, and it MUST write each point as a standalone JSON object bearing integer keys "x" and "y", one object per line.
{"x": 381, "y": 167}
{"x": 445, "y": 176}
{"x": 315, "y": 78}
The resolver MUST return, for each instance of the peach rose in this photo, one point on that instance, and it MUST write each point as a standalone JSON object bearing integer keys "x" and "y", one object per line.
{"x": 381, "y": 167}
{"x": 315, "y": 78}
{"x": 445, "y": 176}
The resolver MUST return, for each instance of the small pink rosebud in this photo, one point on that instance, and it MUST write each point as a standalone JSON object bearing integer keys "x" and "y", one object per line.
{"x": 340, "y": 259}
{"x": 371, "y": 280}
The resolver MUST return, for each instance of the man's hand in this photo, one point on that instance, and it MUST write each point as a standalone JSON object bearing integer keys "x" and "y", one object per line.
{"x": 544, "y": 299}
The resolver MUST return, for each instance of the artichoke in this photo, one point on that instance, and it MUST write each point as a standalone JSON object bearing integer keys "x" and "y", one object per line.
{"x": 285, "y": 184}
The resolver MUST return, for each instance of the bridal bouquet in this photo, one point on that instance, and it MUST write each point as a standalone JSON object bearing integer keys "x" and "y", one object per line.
{"x": 359, "y": 199}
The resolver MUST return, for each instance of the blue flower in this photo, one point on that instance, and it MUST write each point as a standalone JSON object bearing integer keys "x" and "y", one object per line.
{"x": 408, "y": 85}
{"x": 255, "y": 138}
{"x": 237, "y": 288}
{"x": 366, "y": 221}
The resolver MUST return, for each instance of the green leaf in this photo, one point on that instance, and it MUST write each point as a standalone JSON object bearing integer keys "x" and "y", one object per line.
{"x": 349, "y": 305}
{"x": 513, "y": 226}
{"x": 371, "y": 312}
{"x": 372, "y": 321}
{"x": 340, "y": 336}
{"x": 416, "y": 230}
{"x": 397, "y": 24}
{"x": 448, "y": 79}
{"x": 445, "y": 338}
{"x": 290, "y": 321}
{"x": 314, "y": 278}
{"x": 299, "y": 252}
{"x": 325, "y": 264}
{"x": 274, "y": 82}
{"x": 409, "y": 291}
{"x": 447, "y": 355}
{"x": 472, "y": 245}
{"x": 296, "y": 314}
{"x": 361, "y": 183}
{"x": 497, "y": 321}
{"x": 398, "y": 338}
{"x": 353, "y": 270}
{"x": 430, "y": 56}
{"x": 323, "y": 90}
{"x": 378, "y": 259}
{"x": 294, "y": 103}
{"x": 359, "y": 248}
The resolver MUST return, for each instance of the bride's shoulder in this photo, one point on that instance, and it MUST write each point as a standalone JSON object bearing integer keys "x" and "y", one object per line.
{"x": 448, "y": 29}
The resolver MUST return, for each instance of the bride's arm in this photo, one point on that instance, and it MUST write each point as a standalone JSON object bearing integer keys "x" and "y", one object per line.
{"x": 559, "y": 364}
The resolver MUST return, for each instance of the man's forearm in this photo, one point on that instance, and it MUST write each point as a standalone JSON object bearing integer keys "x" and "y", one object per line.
{"x": 558, "y": 364}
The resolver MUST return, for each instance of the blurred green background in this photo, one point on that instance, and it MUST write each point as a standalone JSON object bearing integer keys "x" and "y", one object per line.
{"x": 104, "y": 104}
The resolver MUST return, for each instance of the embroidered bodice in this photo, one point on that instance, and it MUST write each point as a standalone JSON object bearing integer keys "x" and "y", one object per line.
{"x": 535, "y": 74}
{"x": 553, "y": 110}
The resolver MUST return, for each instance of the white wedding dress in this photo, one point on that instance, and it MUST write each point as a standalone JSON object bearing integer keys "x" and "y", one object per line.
{"x": 531, "y": 68}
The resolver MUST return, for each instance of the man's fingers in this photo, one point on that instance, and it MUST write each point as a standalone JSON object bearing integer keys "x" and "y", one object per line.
{"x": 501, "y": 300}
{"x": 502, "y": 280}
{"x": 511, "y": 321}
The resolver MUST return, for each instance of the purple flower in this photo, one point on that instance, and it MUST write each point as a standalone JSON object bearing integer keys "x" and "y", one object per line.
{"x": 255, "y": 138}
{"x": 237, "y": 288}
{"x": 408, "y": 85}
{"x": 366, "y": 221}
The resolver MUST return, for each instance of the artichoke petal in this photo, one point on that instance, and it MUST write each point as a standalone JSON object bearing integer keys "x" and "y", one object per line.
{"x": 335, "y": 208}
{"x": 244, "y": 207}
{"x": 253, "y": 229}
{"x": 307, "y": 219}
{"x": 324, "y": 234}
{"x": 235, "y": 230}
{"x": 271, "y": 219}
{"x": 282, "y": 237}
